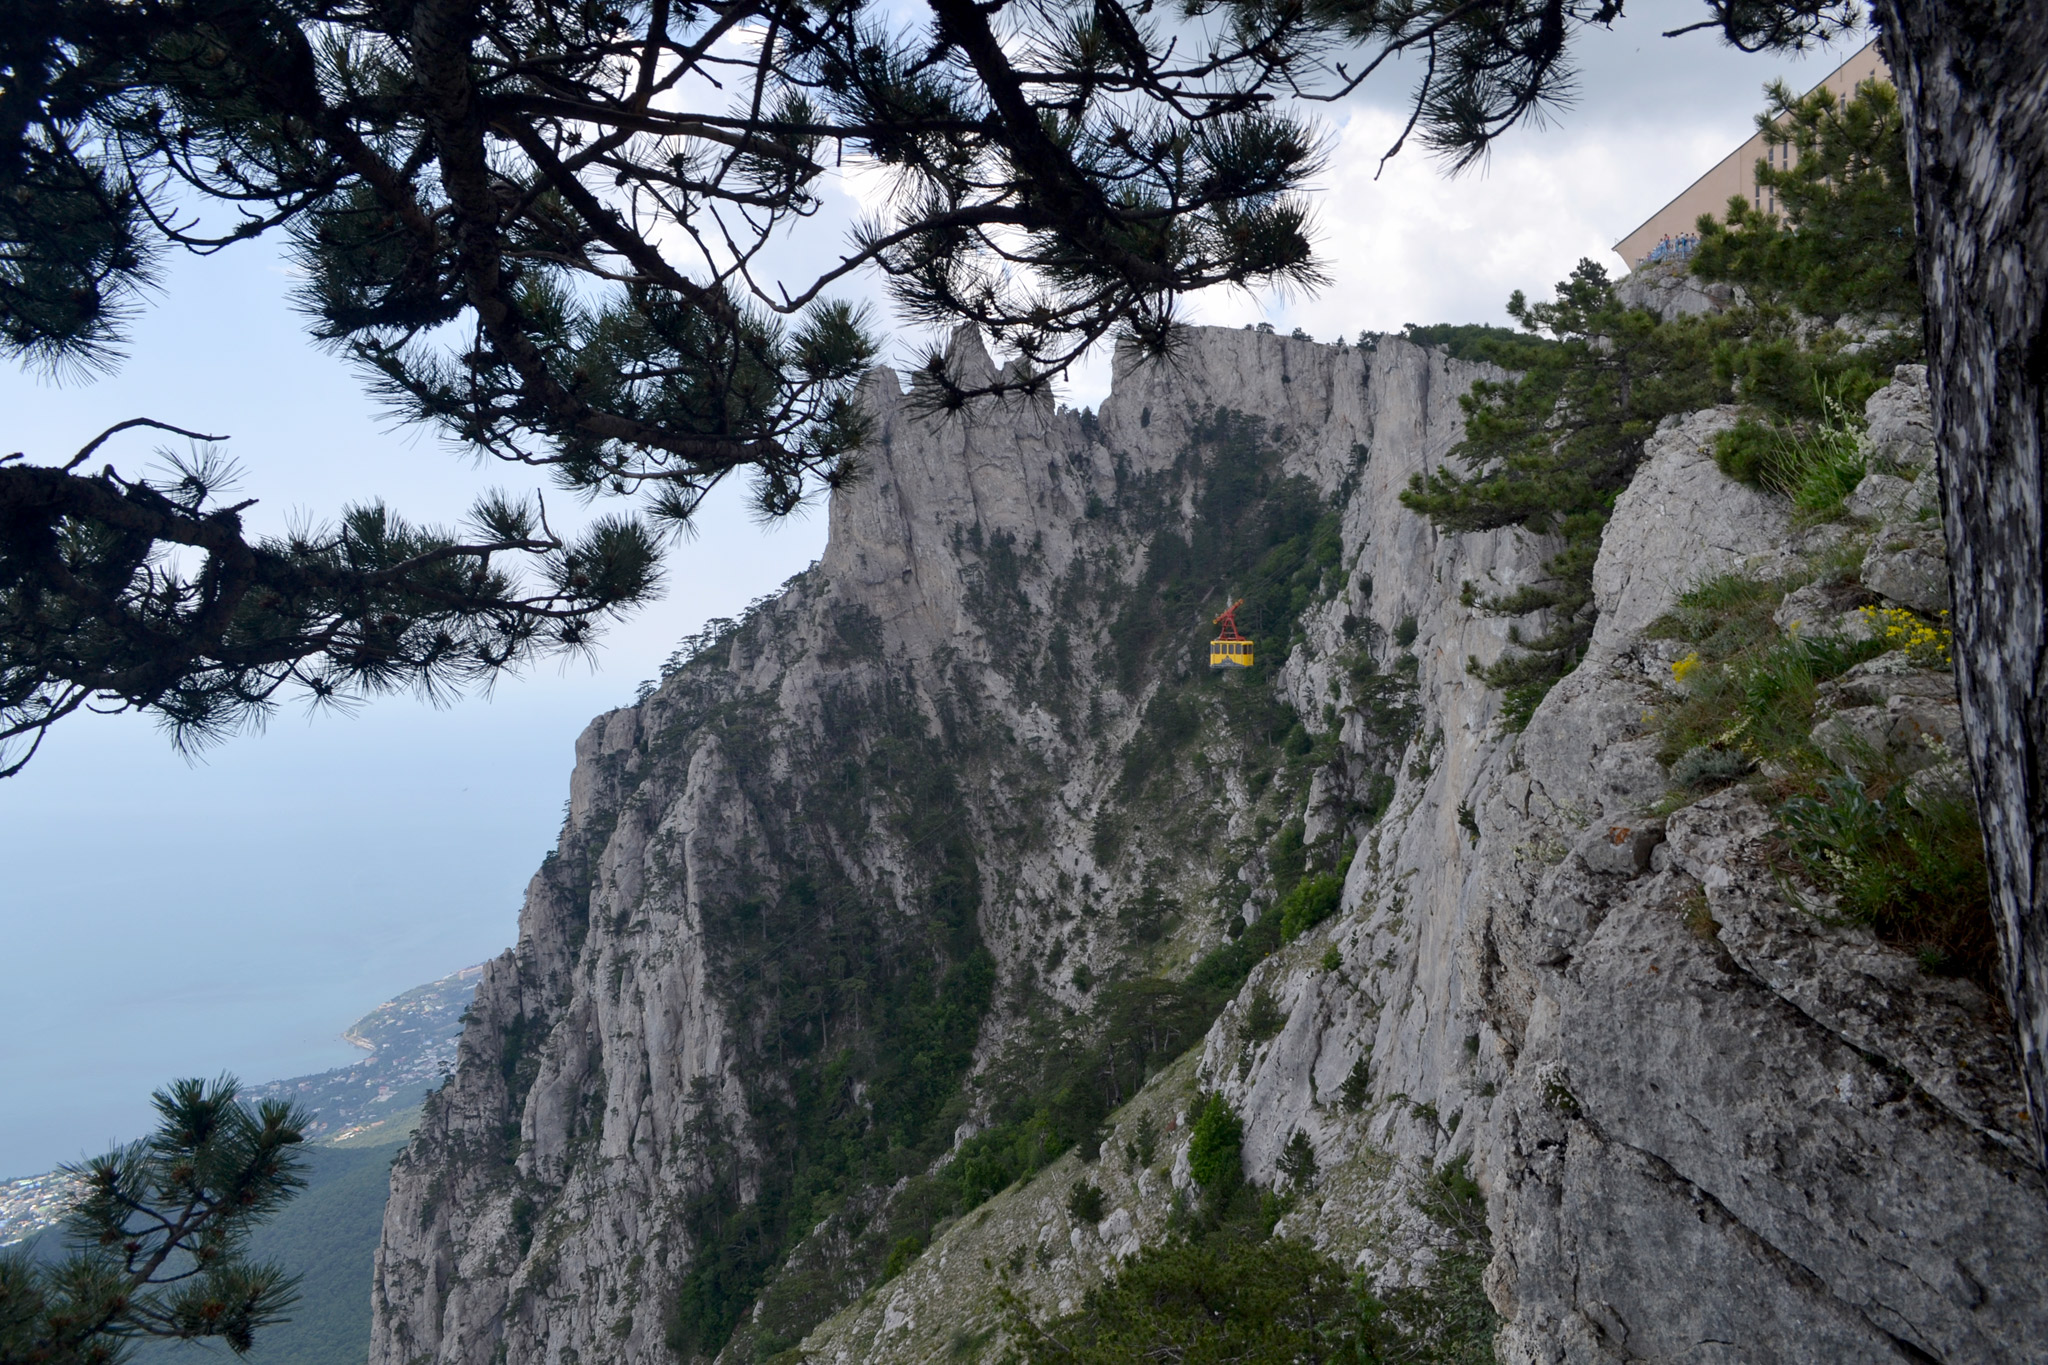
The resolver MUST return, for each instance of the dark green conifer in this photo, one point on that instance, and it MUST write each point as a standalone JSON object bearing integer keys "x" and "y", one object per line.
{"x": 158, "y": 1233}
{"x": 1551, "y": 446}
{"x": 1841, "y": 240}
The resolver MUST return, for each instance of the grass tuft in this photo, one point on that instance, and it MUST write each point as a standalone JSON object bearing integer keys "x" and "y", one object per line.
{"x": 1747, "y": 692}
{"x": 1908, "y": 864}
{"x": 1816, "y": 464}
{"x": 1903, "y": 860}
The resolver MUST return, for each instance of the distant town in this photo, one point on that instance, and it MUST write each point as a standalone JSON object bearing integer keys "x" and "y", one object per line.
{"x": 411, "y": 1042}
{"x": 31, "y": 1203}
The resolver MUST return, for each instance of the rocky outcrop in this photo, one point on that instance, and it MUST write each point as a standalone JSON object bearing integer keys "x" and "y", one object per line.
{"x": 1670, "y": 290}
{"x": 912, "y": 780}
{"x": 1725, "y": 1127}
{"x": 1711, "y": 1123}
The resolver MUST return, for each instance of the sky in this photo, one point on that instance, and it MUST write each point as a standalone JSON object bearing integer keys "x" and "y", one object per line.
{"x": 169, "y": 917}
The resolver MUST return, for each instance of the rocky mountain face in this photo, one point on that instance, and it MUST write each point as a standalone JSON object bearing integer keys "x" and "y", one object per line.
{"x": 964, "y": 804}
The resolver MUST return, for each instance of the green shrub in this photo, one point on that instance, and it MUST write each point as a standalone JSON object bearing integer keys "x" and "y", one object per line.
{"x": 1842, "y": 239}
{"x": 1617, "y": 371}
{"x": 1357, "y": 1082}
{"x": 1815, "y": 464}
{"x": 1224, "y": 968}
{"x": 1288, "y": 858}
{"x": 1704, "y": 766}
{"x": 1745, "y": 451}
{"x": 1550, "y": 448}
{"x": 990, "y": 1162}
{"x": 1525, "y": 677}
{"x": 1084, "y": 1203}
{"x": 1225, "y": 1298}
{"x": 1310, "y": 903}
{"x": 901, "y": 1255}
{"x": 1822, "y": 468}
{"x": 1298, "y": 1160}
{"x": 1722, "y": 614}
{"x": 1216, "y": 1146}
{"x": 523, "y": 1210}
{"x": 1447, "y": 1318}
{"x": 1748, "y": 692}
{"x": 1911, "y": 869}
{"x": 1502, "y": 346}
{"x": 1235, "y": 1294}
{"x": 1137, "y": 1026}
{"x": 1262, "y": 1017}
{"x": 1145, "y": 1142}
{"x": 1908, "y": 863}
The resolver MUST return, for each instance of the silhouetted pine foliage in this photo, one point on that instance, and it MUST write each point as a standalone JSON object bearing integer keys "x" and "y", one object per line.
{"x": 560, "y": 232}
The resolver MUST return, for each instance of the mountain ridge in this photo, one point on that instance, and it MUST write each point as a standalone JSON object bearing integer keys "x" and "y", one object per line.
{"x": 800, "y": 1054}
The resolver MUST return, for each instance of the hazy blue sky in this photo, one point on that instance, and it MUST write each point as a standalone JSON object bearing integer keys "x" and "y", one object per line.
{"x": 167, "y": 918}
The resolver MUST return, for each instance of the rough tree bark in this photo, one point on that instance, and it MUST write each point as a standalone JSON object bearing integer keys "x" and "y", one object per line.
{"x": 1973, "y": 81}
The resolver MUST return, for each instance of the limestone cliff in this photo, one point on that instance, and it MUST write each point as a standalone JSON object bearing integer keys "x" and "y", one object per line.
{"x": 903, "y": 828}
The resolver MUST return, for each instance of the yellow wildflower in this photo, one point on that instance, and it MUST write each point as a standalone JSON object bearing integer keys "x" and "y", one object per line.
{"x": 1926, "y": 645}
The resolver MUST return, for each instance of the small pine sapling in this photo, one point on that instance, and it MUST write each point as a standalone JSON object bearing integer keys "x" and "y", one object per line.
{"x": 1298, "y": 1161}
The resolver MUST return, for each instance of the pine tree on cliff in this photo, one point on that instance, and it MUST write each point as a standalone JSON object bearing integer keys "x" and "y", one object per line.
{"x": 550, "y": 228}
{"x": 159, "y": 1237}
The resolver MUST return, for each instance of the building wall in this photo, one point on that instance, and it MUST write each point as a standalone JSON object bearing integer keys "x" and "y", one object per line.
{"x": 1736, "y": 173}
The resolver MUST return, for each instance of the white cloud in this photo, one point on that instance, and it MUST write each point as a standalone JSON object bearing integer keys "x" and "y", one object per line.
{"x": 1414, "y": 245}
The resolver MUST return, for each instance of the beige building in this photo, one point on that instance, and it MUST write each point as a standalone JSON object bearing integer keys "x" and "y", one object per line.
{"x": 1736, "y": 174}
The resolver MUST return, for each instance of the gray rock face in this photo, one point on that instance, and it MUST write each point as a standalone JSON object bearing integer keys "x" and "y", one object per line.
{"x": 951, "y": 699}
{"x": 1704, "y": 1073}
{"x": 1866, "y": 1055}
{"x": 1827, "y": 609}
{"x": 1681, "y": 522}
{"x": 1901, "y": 418}
{"x": 1887, "y": 712}
{"x": 1711, "y": 1123}
{"x": 1908, "y": 563}
{"x": 1882, "y": 497}
{"x": 1670, "y": 290}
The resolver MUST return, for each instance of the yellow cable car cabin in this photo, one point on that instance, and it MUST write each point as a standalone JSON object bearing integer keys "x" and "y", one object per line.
{"x": 1230, "y": 649}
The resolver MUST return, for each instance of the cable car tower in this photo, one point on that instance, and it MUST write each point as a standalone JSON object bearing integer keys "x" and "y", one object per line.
{"x": 1230, "y": 649}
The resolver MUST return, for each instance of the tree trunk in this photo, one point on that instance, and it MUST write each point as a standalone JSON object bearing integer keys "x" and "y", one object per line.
{"x": 1973, "y": 82}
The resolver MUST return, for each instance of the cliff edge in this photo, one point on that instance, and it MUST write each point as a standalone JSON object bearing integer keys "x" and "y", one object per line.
{"x": 964, "y": 801}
